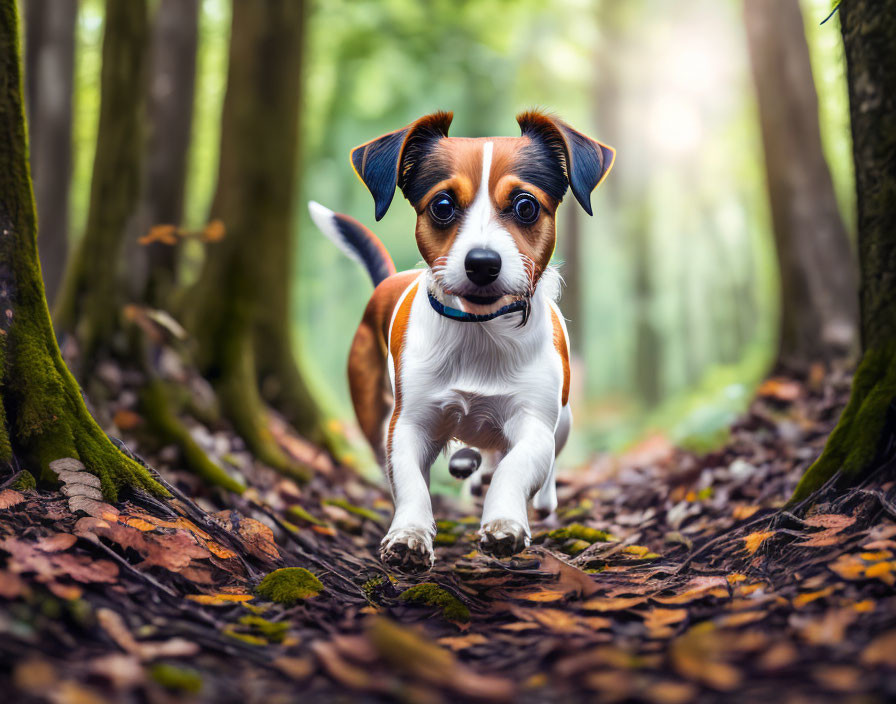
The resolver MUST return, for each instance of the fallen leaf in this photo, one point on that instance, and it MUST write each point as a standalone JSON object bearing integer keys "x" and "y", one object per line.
{"x": 10, "y": 498}
{"x": 219, "y": 599}
{"x": 613, "y": 603}
{"x": 754, "y": 540}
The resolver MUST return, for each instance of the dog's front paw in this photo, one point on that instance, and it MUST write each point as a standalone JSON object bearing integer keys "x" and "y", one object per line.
{"x": 503, "y": 538}
{"x": 408, "y": 550}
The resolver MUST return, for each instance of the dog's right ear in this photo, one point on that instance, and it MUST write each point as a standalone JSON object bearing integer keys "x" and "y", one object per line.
{"x": 379, "y": 162}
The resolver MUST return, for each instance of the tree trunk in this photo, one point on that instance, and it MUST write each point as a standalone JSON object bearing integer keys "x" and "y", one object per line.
{"x": 49, "y": 83}
{"x": 867, "y": 423}
{"x": 170, "y": 119}
{"x": 42, "y": 415}
{"x": 240, "y": 307}
{"x": 818, "y": 279}
{"x": 91, "y": 300}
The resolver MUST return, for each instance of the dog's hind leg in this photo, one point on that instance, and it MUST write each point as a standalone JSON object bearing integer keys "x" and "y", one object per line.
{"x": 483, "y": 477}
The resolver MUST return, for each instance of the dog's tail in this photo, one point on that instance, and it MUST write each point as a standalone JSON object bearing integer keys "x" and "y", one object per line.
{"x": 355, "y": 240}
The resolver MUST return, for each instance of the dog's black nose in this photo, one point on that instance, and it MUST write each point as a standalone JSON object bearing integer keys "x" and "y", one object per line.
{"x": 482, "y": 265}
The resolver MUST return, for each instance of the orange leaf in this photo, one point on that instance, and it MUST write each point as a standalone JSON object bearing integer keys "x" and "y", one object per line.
{"x": 754, "y": 540}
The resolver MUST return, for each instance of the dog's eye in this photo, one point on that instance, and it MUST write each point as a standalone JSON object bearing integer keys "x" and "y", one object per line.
{"x": 443, "y": 209}
{"x": 525, "y": 208}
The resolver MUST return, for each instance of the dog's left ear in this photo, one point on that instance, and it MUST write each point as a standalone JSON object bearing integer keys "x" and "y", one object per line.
{"x": 586, "y": 162}
{"x": 382, "y": 162}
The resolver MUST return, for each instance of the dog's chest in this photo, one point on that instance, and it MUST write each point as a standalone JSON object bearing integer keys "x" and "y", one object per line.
{"x": 475, "y": 419}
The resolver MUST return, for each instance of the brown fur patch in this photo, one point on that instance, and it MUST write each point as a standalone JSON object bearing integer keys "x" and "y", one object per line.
{"x": 396, "y": 346}
{"x": 562, "y": 348}
{"x": 367, "y": 372}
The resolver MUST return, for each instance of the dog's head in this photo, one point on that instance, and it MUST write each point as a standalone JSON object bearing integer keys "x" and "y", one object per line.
{"x": 485, "y": 207}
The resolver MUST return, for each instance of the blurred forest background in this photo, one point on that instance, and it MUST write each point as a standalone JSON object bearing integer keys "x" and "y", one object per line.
{"x": 673, "y": 296}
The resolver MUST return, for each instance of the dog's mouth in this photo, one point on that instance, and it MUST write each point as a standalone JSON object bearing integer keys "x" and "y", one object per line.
{"x": 480, "y": 300}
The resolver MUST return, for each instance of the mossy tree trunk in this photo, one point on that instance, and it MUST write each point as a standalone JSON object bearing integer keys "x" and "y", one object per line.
{"x": 42, "y": 415}
{"x": 171, "y": 85}
{"x": 867, "y": 423}
{"x": 818, "y": 279}
{"x": 49, "y": 83}
{"x": 91, "y": 300}
{"x": 240, "y": 307}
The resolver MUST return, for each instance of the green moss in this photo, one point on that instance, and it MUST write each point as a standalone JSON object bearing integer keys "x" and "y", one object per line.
{"x": 854, "y": 444}
{"x": 359, "y": 511}
{"x": 273, "y": 631}
{"x": 574, "y": 547}
{"x": 24, "y": 481}
{"x": 431, "y": 594}
{"x": 576, "y": 531}
{"x": 372, "y": 588}
{"x": 445, "y": 539}
{"x": 231, "y": 632}
{"x": 156, "y": 408}
{"x": 289, "y": 585}
{"x": 176, "y": 679}
{"x": 297, "y": 513}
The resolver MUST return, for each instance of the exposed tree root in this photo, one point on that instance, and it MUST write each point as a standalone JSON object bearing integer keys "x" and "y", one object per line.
{"x": 155, "y": 405}
{"x": 855, "y": 443}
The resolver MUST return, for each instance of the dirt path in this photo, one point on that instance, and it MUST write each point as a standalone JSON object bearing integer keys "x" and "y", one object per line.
{"x": 674, "y": 579}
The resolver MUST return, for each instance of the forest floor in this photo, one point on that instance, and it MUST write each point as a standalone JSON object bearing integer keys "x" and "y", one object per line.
{"x": 674, "y": 578}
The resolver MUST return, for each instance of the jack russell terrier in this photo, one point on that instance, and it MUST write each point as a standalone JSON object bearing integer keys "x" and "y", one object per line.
{"x": 472, "y": 348}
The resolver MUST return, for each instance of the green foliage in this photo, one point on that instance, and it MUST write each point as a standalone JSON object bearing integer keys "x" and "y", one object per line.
{"x": 431, "y": 594}
{"x": 289, "y": 585}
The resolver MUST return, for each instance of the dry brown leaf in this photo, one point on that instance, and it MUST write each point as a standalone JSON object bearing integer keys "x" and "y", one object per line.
{"x": 219, "y": 599}
{"x": 11, "y": 585}
{"x": 259, "y": 538}
{"x": 214, "y": 231}
{"x": 10, "y": 498}
{"x": 881, "y": 651}
{"x": 121, "y": 671}
{"x": 117, "y": 629}
{"x": 699, "y": 655}
{"x": 161, "y": 234}
{"x": 56, "y": 542}
{"x": 613, "y": 603}
{"x": 780, "y": 389}
{"x": 294, "y": 668}
{"x": 697, "y": 588}
{"x": 541, "y": 595}
{"x": 754, "y": 540}
{"x": 125, "y": 419}
{"x": 411, "y": 653}
{"x": 462, "y": 642}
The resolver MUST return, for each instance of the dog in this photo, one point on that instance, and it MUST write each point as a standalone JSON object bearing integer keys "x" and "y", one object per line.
{"x": 472, "y": 348}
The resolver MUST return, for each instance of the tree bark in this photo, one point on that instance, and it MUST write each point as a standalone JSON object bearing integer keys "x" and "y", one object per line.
{"x": 170, "y": 118}
{"x": 866, "y": 427}
{"x": 42, "y": 415}
{"x": 817, "y": 272}
{"x": 240, "y": 306}
{"x": 49, "y": 84}
{"x": 91, "y": 300}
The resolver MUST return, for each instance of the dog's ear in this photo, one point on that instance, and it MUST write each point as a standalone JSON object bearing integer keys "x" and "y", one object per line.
{"x": 383, "y": 162}
{"x": 584, "y": 161}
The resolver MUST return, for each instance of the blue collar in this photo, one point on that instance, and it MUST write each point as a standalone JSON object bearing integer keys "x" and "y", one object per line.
{"x": 464, "y": 317}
